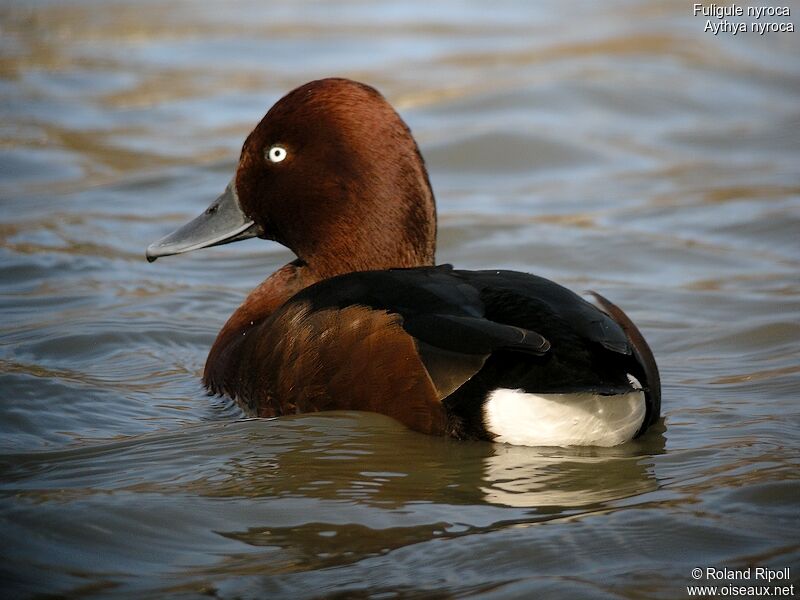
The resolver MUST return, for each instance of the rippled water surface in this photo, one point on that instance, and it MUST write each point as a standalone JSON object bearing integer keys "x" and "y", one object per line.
{"x": 610, "y": 146}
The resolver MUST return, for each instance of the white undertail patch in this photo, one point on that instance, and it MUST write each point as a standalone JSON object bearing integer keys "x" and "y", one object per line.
{"x": 582, "y": 419}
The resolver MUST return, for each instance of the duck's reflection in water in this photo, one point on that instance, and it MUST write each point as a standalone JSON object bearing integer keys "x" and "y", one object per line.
{"x": 368, "y": 460}
{"x": 557, "y": 478}
{"x": 345, "y": 490}
{"x": 330, "y": 490}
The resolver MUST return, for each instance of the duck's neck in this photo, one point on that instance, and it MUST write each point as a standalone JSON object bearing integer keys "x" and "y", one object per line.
{"x": 264, "y": 300}
{"x": 270, "y": 295}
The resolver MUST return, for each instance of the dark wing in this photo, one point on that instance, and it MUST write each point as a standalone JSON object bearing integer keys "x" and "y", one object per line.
{"x": 590, "y": 350}
{"x": 454, "y": 348}
{"x": 442, "y": 312}
{"x": 472, "y": 335}
{"x": 511, "y": 296}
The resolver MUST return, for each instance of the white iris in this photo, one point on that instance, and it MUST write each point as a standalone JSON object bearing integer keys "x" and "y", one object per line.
{"x": 276, "y": 154}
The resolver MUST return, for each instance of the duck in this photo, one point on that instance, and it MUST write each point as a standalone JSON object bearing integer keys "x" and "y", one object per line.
{"x": 364, "y": 319}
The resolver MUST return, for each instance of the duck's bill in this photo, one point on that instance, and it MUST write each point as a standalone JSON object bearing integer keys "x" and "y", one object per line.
{"x": 222, "y": 223}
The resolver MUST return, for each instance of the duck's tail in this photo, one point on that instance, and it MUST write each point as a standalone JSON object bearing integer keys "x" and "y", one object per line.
{"x": 643, "y": 355}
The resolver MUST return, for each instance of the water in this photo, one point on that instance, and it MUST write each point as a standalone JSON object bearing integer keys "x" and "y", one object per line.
{"x": 610, "y": 146}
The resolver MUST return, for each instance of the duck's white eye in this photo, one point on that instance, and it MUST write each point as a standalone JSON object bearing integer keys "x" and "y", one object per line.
{"x": 276, "y": 154}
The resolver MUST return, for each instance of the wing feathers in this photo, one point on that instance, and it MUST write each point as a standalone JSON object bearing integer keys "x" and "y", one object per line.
{"x": 473, "y": 335}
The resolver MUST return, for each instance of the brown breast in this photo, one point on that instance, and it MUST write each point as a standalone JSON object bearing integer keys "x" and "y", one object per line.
{"x": 355, "y": 358}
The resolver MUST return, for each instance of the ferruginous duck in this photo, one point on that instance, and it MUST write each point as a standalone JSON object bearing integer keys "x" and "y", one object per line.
{"x": 363, "y": 320}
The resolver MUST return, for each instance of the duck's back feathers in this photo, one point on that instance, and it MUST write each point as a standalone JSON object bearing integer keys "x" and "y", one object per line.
{"x": 438, "y": 306}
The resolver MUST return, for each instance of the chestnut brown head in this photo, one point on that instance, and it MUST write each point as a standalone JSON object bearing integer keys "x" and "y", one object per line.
{"x": 332, "y": 173}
